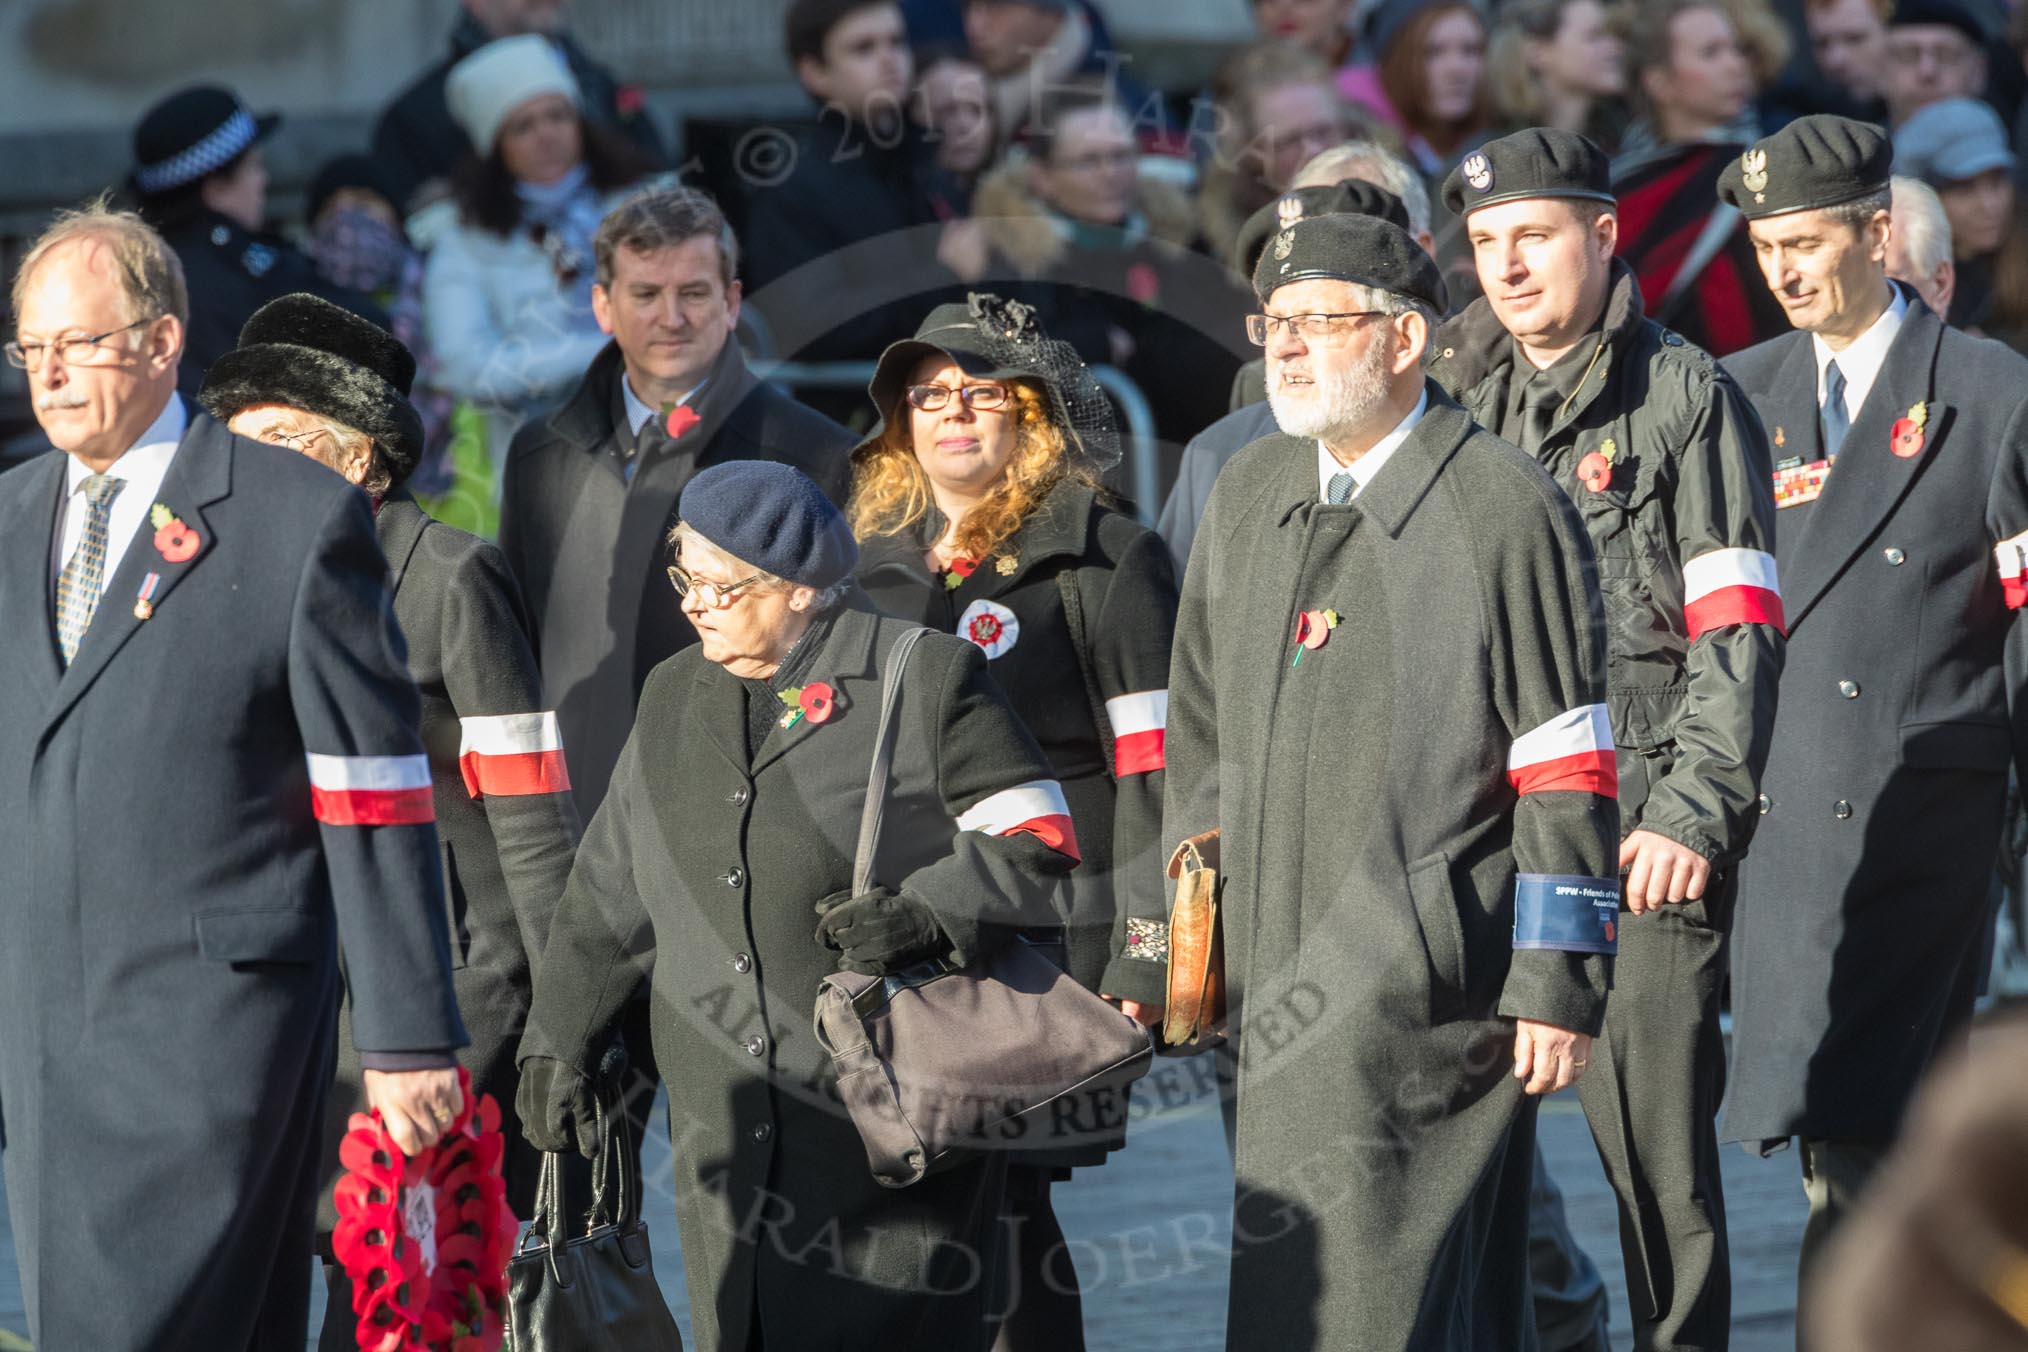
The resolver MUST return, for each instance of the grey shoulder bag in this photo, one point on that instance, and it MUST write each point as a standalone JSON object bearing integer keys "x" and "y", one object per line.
{"x": 937, "y": 1063}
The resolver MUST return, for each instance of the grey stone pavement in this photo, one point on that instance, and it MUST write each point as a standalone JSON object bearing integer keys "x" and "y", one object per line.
{"x": 1147, "y": 1228}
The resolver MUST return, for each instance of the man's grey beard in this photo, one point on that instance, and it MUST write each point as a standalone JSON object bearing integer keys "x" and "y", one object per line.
{"x": 1341, "y": 403}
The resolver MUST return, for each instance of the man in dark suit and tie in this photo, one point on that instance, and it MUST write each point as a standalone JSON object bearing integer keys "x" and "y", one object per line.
{"x": 209, "y": 759}
{"x": 1901, "y": 491}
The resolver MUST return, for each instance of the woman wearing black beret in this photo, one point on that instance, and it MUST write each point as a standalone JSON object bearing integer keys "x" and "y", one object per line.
{"x": 978, "y": 505}
{"x": 718, "y": 869}
{"x": 320, "y": 380}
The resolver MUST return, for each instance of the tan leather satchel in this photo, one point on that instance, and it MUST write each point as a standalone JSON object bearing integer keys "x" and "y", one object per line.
{"x": 1196, "y": 1008}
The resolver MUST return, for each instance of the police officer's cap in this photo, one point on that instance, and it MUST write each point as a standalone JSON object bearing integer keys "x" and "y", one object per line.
{"x": 1814, "y": 162}
{"x": 1538, "y": 162}
{"x": 1353, "y": 195}
{"x": 1360, "y": 249}
{"x": 192, "y": 133}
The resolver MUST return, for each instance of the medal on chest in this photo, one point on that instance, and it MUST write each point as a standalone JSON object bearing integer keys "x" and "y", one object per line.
{"x": 990, "y": 625}
{"x": 1797, "y": 482}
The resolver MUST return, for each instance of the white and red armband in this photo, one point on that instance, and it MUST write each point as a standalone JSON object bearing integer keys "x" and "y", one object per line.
{"x": 1571, "y": 752}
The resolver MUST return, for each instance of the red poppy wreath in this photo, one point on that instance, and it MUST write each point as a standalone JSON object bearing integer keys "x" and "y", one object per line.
{"x": 426, "y": 1240}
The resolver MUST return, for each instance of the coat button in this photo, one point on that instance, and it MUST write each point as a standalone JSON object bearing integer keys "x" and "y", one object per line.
{"x": 1766, "y": 805}
{"x": 738, "y": 796}
{"x": 741, "y": 963}
{"x": 1849, "y": 689}
{"x": 1894, "y": 556}
{"x": 756, "y": 1044}
{"x": 761, "y": 1134}
{"x": 734, "y": 876}
{"x": 1841, "y": 809}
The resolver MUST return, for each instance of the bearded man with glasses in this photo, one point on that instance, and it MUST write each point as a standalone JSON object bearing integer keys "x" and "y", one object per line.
{"x": 1387, "y": 697}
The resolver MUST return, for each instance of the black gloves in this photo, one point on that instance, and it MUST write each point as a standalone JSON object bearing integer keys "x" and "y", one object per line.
{"x": 878, "y": 932}
{"x": 556, "y": 1108}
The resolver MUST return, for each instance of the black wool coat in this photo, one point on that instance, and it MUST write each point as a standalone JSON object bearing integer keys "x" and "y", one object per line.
{"x": 586, "y": 540}
{"x": 181, "y": 874}
{"x": 1378, "y": 797}
{"x": 700, "y": 874}
{"x": 507, "y": 826}
{"x": 1103, "y": 731}
{"x": 1902, "y": 707}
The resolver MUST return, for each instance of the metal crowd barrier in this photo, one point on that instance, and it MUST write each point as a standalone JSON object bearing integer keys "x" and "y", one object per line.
{"x": 1139, "y": 415}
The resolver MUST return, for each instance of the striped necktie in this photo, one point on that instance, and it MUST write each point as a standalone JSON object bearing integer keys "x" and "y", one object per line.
{"x": 1339, "y": 491}
{"x": 77, "y": 589}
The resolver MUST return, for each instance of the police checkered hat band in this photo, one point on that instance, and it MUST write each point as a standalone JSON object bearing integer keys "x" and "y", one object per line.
{"x": 218, "y": 149}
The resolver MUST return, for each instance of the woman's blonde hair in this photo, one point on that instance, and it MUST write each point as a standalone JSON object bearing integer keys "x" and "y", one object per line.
{"x": 890, "y": 492}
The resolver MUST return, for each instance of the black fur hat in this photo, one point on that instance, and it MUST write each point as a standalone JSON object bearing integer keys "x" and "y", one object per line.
{"x": 303, "y": 351}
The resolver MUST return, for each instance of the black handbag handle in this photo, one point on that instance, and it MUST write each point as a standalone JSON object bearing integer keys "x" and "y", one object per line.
{"x": 615, "y": 1157}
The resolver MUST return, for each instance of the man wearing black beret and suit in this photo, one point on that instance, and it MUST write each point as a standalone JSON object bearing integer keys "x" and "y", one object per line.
{"x": 1387, "y": 696}
{"x": 211, "y": 780}
{"x": 317, "y": 379}
{"x": 1901, "y": 488}
{"x": 1667, "y": 465}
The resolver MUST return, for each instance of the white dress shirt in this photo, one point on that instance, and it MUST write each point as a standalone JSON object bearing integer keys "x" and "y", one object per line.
{"x": 638, "y": 413}
{"x": 1366, "y": 466}
{"x": 143, "y": 467}
{"x": 1860, "y": 363}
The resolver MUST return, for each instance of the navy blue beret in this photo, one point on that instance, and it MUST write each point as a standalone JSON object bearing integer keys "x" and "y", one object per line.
{"x": 773, "y": 517}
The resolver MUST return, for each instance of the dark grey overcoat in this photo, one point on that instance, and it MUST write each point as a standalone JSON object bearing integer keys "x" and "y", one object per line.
{"x": 507, "y": 825}
{"x": 1370, "y": 799}
{"x": 700, "y": 873}
{"x": 586, "y": 536}
{"x": 178, "y": 884}
{"x": 1866, "y": 891}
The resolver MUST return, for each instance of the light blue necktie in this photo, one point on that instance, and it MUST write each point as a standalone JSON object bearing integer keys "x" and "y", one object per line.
{"x": 1339, "y": 491}
{"x": 1836, "y": 420}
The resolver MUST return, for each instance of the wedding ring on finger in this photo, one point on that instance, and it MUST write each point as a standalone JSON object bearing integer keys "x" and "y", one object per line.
{"x": 442, "y": 1114}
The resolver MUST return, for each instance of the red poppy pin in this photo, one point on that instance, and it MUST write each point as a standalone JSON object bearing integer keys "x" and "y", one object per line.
{"x": 814, "y": 703}
{"x": 1143, "y": 285}
{"x": 1595, "y": 471}
{"x": 961, "y": 568}
{"x": 681, "y": 419}
{"x": 426, "y": 1240}
{"x": 1906, "y": 438}
{"x": 1313, "y": 630}
{"x": 174, "y": 538}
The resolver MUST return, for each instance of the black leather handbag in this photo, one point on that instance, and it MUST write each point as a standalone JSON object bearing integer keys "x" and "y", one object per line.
{"x": 593, "y": 1292}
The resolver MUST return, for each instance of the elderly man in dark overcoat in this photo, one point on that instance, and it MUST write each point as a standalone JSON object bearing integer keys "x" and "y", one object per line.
{"x": 1901, "y": 487}
{"x": 315, "y": 378}
{"x": 210, "y": 778}
{"x": 1388, "y": 696}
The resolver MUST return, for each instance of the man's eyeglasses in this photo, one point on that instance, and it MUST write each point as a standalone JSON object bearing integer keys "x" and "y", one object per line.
{"x": 715, "y": 595}
{"x": 978, "y": 398}
{"x": 1332, "y": 330}
{"x": 70, "y": 351}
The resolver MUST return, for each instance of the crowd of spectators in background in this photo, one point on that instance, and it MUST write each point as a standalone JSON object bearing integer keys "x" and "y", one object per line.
{"x": 1010, "y": 144}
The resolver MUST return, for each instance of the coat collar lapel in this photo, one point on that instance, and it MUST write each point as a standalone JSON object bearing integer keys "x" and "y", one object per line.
{"x": 845, "y": 663}
{"x": 1868, "y": 481}
{"x": 1402, "y": 483}
{"x": 1059, "y": 527}
{"x": 29, "y": 520}
{"x": 400, "y": 524}
{"x": 201, "y": 474}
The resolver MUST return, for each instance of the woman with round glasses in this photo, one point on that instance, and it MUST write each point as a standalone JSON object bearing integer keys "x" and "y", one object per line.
{"x": 719, "y": 869}
{"x": 979, "y": 508}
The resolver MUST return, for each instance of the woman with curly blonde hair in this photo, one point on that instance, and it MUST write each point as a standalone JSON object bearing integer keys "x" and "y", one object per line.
{"x": 980, "y": 509}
